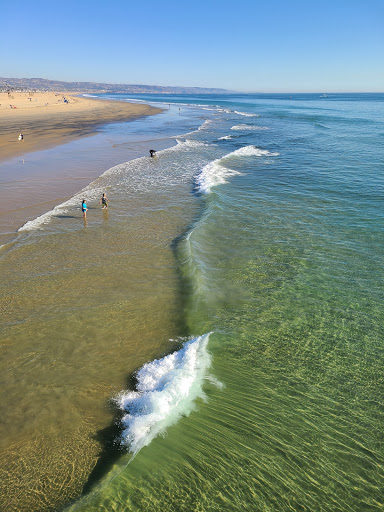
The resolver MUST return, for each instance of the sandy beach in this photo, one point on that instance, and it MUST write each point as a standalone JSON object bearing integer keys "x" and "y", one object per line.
{"x": 47, "y": 119}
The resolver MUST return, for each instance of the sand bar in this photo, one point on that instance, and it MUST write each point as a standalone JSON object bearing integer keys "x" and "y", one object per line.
{"x": 47, "y": 119}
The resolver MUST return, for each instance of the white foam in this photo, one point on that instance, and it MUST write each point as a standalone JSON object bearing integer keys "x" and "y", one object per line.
{"x": 188, "y": 134}
{"x": 249, "y": 127}
{"x": 251, "y": 151}
{"x": 225, "y": 110}
{"x": 68, "y": 207}
{"x": 226, "y": 137}
{"x": 184, "y": 145}
{"x": 216, "y": 173}
{"x": 166, "y": 390}
{"x": 205, "y": 124}
{"x": 247, "y": 114}
{"x": 213, "y": 174}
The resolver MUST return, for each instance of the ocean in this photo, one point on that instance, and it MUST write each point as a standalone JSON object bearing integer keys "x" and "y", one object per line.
{"x": 213, "y": 341}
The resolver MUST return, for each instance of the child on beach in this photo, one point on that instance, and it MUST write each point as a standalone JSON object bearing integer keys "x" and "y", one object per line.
{"x": 103, "y": 201}
{"x": 84, "y": 208}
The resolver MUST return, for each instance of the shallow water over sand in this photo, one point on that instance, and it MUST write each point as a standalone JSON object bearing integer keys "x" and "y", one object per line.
{"x": 84, "y": 304}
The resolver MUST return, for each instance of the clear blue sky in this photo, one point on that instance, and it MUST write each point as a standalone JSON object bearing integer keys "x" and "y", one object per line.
{"x": 248, "y": 45}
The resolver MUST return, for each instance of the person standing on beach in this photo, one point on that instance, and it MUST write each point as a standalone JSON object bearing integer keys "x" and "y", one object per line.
{"x": 84, "y": 208}
{"x": 103, "y": 201}
{"x": 21, "y": 136}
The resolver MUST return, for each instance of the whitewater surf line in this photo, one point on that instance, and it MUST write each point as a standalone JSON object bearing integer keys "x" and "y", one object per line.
{"x": 249, "y": 127}
{"x": 93, "y": 191}
{"x": 216, "y": 173}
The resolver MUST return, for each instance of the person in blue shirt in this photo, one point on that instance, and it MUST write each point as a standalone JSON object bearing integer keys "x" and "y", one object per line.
{"x": 84, "y": 208}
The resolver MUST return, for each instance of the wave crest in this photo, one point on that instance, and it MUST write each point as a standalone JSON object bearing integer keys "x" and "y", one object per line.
{"x": 215, "y": 173}
{"x": 166, "y": 390}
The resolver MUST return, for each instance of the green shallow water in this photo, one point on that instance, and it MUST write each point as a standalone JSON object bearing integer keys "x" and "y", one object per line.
{"x": 76, "y": 329}
{"x": 297, "y": 345}
{"x": 294, "y": 297}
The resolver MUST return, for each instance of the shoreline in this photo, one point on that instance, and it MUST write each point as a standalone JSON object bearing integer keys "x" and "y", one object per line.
{"x": 48, "y": 119}
{"x": 86, "y": 305}
{"x": 68, "y": 158}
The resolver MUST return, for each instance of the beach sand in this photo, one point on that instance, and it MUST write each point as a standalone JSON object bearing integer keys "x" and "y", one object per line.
{"x": 47, "y": 119}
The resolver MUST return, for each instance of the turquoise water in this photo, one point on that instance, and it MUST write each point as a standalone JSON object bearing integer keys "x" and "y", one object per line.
{"x": 276, "y": 404}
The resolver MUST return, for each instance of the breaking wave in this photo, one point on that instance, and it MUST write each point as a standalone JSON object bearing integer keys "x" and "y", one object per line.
{"x": 216, "y": 173}
{"x": 166, "y": 390}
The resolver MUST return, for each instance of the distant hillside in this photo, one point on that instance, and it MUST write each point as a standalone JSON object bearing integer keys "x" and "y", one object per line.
{"x": 41, "y": 84}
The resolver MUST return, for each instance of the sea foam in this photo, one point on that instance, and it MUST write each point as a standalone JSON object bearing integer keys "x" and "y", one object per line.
{"x": 251, "y": 151}
{"x": 206, "y": 123}
{"x": 246, "y": 114}
{"x": 249, "y": 127}
{"x": 166, "y": 390}
{"x": 216, "y": 173}
{"x": 65, "y": 208}
{"x": 213, "y": 174}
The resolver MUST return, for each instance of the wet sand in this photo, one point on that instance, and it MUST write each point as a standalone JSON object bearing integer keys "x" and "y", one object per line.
{"x": 47, "y": 119}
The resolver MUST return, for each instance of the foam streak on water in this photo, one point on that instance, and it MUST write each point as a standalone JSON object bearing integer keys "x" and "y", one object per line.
{"x": 166, "y": 390}
{"x": 246, "y": 114}
{"x": 249, "y": 127}
{"x": 216, "y": 172}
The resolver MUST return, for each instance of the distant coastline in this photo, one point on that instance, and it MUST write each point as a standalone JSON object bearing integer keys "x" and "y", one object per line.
{"x": 43, "y": 85}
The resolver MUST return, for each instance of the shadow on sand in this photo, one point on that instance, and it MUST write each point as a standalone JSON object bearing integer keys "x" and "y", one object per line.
{"x": 109, "y": 439}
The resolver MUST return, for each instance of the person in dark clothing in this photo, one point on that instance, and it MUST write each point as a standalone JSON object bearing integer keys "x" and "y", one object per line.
{"x": 103, "y": 201}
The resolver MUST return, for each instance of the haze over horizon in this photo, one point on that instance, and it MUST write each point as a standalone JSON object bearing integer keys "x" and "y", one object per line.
{"x": 275, "y": 47}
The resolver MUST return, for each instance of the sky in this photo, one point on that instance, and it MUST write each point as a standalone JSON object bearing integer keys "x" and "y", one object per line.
{"x": 243, "y": 45}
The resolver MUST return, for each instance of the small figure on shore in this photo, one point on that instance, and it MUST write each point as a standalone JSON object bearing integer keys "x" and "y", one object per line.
{"x": 103, "y": 201}
{"x": 84, "y": 208}
{"x": 152, "y": 152}
{"x": 21, "y": 136}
